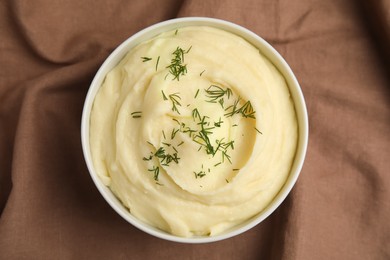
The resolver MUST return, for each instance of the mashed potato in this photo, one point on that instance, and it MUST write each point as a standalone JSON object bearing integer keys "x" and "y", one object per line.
{"x": 194, "y": 131}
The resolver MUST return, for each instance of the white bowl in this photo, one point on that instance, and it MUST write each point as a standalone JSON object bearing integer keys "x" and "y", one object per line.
{"x": 268, "y": 51}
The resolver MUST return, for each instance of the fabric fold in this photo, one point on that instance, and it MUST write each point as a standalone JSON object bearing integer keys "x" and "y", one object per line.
{"x": 49, "y": 53}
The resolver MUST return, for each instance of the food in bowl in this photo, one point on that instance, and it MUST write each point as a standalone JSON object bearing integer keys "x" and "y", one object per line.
{"x": 194, "y": 131}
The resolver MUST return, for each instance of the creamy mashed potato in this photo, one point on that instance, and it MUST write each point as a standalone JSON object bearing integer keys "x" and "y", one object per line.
{"x": 194, "y": 131}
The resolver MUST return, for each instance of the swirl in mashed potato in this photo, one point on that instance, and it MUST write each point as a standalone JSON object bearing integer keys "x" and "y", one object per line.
{"x": 194, "y": 131}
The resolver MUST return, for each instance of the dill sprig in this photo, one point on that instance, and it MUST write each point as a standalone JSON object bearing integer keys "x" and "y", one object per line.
{"x": 199, "y": 174}
{"x": 218, "y": 123}
{"x": 195, "y": 114}
{"x": 158, "y": 60}
{"x": 184, "y": 128}
{"x": 196, "y": 94}
{"x": 175, "y": 101}
{"x": 156, "y": 172}
{"x": 215, "y": 92}
{"x": 203, "y": 136}
{"x": 223, "y": 147}
{"x": 221, "y": 102}
{"x": 145, "y": 59}
{"x": 177, "y": 68}
{"x": 258, "y": 131}
{"x": 169, "y": 158}
{"x": 148, "y": 158}
{"x": 163, "y": 94}
{"x": 164, "y": 158}
{"x": 160, "y": 153}
{"x": 245, "y": 110}
{"x": 136, "y": 114}
{"x": 174, "y": 132}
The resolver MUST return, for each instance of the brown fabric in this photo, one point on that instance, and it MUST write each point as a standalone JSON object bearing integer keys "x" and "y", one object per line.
{"x": 49, "y": 52}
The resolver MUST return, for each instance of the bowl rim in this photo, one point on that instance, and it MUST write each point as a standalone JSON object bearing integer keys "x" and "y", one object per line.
{"x": 269, "y": 52}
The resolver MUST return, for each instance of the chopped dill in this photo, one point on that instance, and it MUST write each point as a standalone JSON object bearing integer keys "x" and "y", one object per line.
{"x": 166, "y": 144}
{"x": 196, "y": 94}
{"x": 215, "y": 92}
{"x": 221, "y": 101}
{"x": 258, "y": 131}
{"x": 195, "y": 114}
{"x": 147, "y": 158}
{"x": 160, "y": 153}
{"x": 177, "y": 68}
{"x": 156, "y": 171}
{"x": 245, "y": 110}
{"x": 145, "y": 59}
{"x": 174, "y": 132}
{"x": 136, "y": 114}
{"x": 163, "y": 94}
{"x": 158, "y": 60}
{"x": 175, "y": 102}
{"x": 218, "y": 123}
{"x": 199, "y": 174}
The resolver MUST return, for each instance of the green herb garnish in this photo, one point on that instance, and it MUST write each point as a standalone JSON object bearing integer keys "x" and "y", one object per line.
{"x": 218, "y": 123}
{"x": 195, "y": 114}
{"x": 199, "y": 174}
{"x": 158, "y": 60}
{"x": 145, "y": 59}
{"x": 174, "y": 132}
{"x": 177, "y": 68}
{"x": 163, "y": 94}
{"x": 160, "y": 153}
{"x": 175, "y": 101}
{"x": 258, "y": 131}
{"x": 196, "y": 94}
{"x": 156, "y": 171}
{"x": 245, "y": 110}
{"x": 203, "y": 136}
{"x": 164, "y": 157}
{"x": 136, "y": 114}
{"x": 215, "y": 92}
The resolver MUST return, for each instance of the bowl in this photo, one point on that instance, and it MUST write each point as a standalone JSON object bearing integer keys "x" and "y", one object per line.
{"x": 268, "y": 51}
